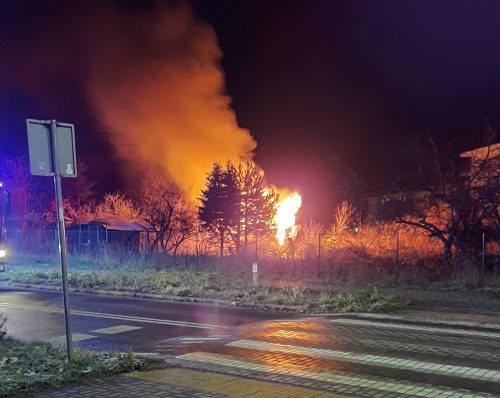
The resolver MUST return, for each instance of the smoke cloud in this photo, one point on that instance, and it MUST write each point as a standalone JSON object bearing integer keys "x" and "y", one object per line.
{"x": 161, "y": 92}
{"x": 152, "y": 77}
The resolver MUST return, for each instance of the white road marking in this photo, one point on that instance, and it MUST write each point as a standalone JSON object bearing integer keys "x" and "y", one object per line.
{"x": 116, "y": 329}
{"x": 197, "y": 340}
{"x": 374, "y": 360}
{"x": 461, "y": 332}
{"x": 291, "y": 335}
{"x": 59, "y": 340}
{"x": 355, "y": 380}
{"x": 114, "y": 316}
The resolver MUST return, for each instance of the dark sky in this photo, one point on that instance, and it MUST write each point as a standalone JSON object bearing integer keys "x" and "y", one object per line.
{"x": 318, "y": 82}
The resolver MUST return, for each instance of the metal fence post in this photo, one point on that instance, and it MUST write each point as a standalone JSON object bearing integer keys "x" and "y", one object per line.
{"x": 397, "y": 258}
{"x": 483, "y": 260}
{"x": 197, "y": 249}
{"x": 319, "y": 255}
{"x": 98, "y": 249}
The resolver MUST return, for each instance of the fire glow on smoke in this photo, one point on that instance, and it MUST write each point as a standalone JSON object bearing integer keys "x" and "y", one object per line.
{"x": 284, "y": 218}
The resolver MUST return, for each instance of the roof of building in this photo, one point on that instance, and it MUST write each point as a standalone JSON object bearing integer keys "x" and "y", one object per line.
{"x": 116, "y": 225}
{"x": 490, "y": 151}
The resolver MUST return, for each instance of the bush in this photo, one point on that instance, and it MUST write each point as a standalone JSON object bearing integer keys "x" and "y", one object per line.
{"x": 358, "y": 302}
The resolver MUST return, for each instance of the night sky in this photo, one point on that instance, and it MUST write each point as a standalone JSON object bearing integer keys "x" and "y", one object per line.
{"x": 320, "y": 85}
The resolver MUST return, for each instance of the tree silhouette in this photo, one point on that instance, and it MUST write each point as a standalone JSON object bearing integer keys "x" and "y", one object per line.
{"x": 258, "y": 201}
{"x": 220, "y": 202}
{"x": 164, "y": 208}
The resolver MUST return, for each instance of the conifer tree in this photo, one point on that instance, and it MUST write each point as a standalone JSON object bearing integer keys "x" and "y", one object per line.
{"x": 220, "y": 202}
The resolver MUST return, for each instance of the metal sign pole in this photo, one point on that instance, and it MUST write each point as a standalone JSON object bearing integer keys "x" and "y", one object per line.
{"x": 61, "y": 232}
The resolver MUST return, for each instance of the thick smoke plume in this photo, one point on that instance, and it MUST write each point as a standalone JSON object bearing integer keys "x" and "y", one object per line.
{"x": 160, "y": 89}
{"x": 151, "y": 77}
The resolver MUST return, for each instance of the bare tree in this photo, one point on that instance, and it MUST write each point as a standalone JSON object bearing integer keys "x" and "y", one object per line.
{"x": 78, "y": 203}
{"x": 442, "y": 221}
{"x": 116, "y": 207}
{"x": 456, "y": 215}
{"x": 73, "y": 213}
{"x": 311, "y": 238}
{"x": 164, "y": 208}
{"x": 337, "y": 234}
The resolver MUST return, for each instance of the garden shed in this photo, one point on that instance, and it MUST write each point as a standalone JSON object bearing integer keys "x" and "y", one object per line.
{"x": 129, "y": 236}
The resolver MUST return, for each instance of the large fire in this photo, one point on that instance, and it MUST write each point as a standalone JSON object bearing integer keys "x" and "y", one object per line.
{"x": 288, "y": 206}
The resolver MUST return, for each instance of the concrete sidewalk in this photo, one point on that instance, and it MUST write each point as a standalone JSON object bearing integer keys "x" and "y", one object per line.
{"x": 183, "y": 383}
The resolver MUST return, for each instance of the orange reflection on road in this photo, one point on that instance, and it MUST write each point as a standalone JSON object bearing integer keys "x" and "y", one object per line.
{"x": 311, "y": 333}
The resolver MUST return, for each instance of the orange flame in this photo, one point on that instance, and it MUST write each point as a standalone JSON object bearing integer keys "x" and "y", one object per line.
{"x": 284, "y": 218}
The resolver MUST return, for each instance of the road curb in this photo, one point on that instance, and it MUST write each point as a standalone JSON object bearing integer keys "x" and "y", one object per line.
{"x": 416, "y": 320}
{"x": 409, "y": 317}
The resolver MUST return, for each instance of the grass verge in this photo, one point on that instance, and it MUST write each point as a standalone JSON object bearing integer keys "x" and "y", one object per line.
{"x": 358, "y": 302}
{"x": 26, "y": 367}
{"x": 185, "y": 285}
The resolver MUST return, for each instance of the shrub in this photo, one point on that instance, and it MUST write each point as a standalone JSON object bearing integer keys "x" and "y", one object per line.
{"x": 358, "y": 302}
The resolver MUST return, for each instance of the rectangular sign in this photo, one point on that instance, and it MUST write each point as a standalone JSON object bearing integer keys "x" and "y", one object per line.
{"x": 66, "y": 153}
{"x": 40, "y": 148}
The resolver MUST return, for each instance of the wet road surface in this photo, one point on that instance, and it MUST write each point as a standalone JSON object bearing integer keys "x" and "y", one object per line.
{"x": 355, "y": 356}
{"x": 237, "y": 353}
{"x": 115, "y": 323}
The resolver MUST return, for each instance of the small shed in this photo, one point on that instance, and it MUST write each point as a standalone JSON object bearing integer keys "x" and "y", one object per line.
{"x": 127, "y": 235}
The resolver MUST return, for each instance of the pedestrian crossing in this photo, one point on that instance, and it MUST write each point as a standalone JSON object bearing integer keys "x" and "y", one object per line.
{"x": 76, "y": 337}
{"x": 412, "y": 327}
{"x": 362, "y": 358}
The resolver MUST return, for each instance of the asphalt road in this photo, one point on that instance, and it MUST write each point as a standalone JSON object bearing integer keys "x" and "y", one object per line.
{"x": 355, "y": 356}
{"x": 325, "y": 355}
{"x": 116, "y": 323}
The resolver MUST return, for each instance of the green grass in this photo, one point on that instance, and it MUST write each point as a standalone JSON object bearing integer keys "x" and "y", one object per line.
{"x": 235, "y": 287}
{"x": 32, "y": 366}
{"x": 359, "y": 302}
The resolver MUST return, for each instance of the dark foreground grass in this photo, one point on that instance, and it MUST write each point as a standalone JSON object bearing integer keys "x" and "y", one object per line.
{"x": 27, "y": 367}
